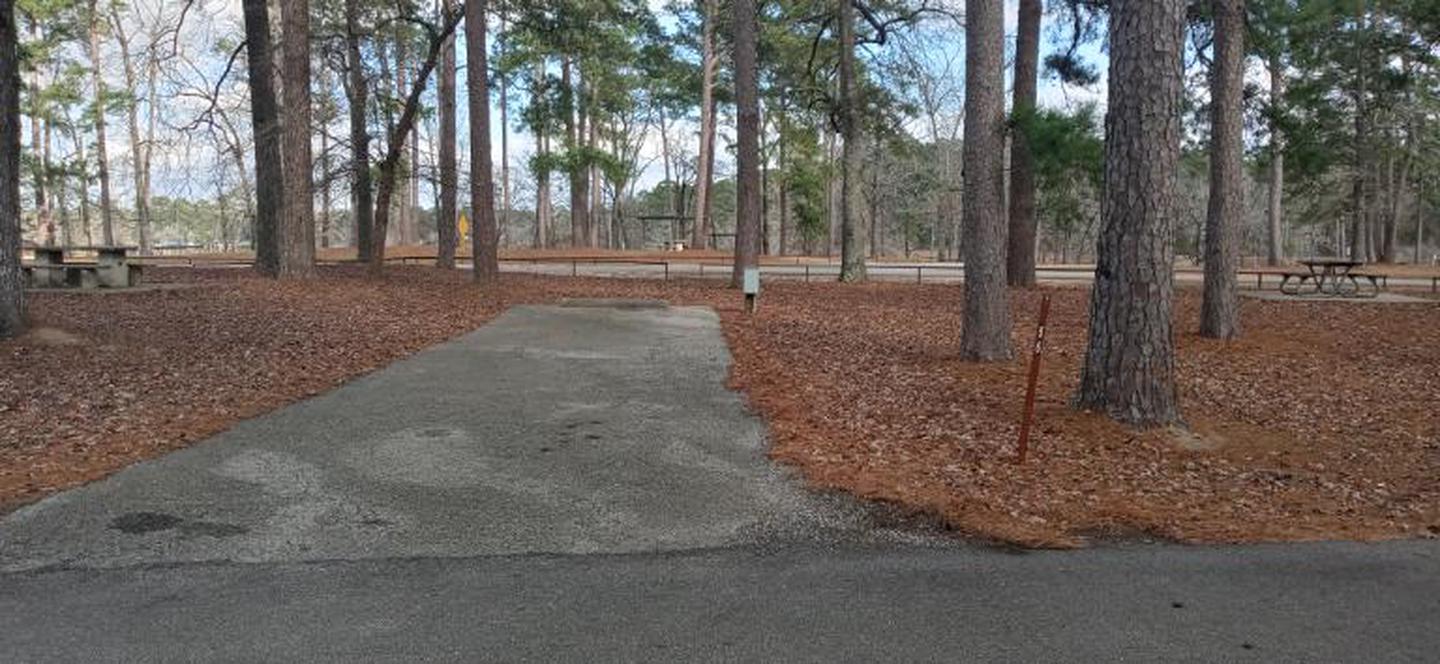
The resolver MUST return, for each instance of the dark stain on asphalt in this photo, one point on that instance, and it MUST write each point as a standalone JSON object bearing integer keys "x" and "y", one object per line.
{"x": 143, "y": 523}
{"x": 140, "y": 523}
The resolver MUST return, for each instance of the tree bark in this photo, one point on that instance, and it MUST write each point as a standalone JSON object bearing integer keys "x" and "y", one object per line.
{"x": 484, "y": 238}
{"x": 12, "y": 287}
{"x": 1020, "y": 260}
{"x": 542, "y": 175}
{"x": 594, "y": 220}
{"x": 403, "y": 183}
{"x": 579, "y": 176}
{"x": 1420, "y": 223}
{"x": 79, "y": 142}
{"x": 986, "y": 329}
{"x": 297, "y": 232}
{"x": 62, "y": 195}
{"x": 1129, "y": 367}
{"x": 38, "y": 134}
{"x": 852, "y": 156}
{"x": 152, "y": 102}
{"x": 357, "y": 96}
{"x": 783, "y": 195}
{"x": 705, "y": 165}
{"x": 764, "y": 158}
{"x": 747, "y": 132}
{"x": 446, "y": 233}
{"x": 504, "y": 214}
{"x": 265, "y": 116}
{"x": 132, "y": 114}
{"x": 102, "y": 154}
{"x": 1220, "y": 303}
{"x": 1275, "y": 211}
{"x": 1359, "y": 221}
{"x": 324, "y": 235}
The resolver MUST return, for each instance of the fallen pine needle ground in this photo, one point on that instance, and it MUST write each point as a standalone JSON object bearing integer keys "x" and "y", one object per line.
{"x": 1322, "y": 422}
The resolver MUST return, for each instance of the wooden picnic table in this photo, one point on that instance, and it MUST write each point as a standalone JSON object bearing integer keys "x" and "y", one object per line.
{"x": 1333, "y": 277}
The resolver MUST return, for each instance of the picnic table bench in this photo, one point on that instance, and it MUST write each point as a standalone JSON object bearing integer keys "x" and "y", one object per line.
{"x": 52, "y": 268}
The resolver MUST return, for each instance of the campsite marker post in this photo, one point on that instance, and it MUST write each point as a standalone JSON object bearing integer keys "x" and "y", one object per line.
{"x": 1037, "y": 350}
{"x": 751, "y": 285}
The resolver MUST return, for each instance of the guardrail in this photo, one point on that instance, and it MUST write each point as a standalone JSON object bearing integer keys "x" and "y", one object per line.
{"x": 805, "y": 271}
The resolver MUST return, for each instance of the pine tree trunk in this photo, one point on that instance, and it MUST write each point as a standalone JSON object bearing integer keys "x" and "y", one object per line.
{"x": 504, "y": 213}
{"x": 132, "y": 114}
{"x": 542, "y": 175}
{"x": 1220, "y": 304}
{"x": 297, "y": 232}
{"x": 12, "y": 287}
{"x": 852, "y": 159}
{"x": 325, "y": 202}
{"x": 1020, "y": 259}
{"x": 872, "y": 220}
{"x": 705, "y": 165}
{"x": 152, "y": 95}
{"x": 594, "y": 220}
{"x": 765, "y": 187}
{"x": 1420, "y": 223}
{"x": 986, "y": 329}
{"x": 1359, "y": 223}
{"x": 575, "y": 128}
{"x": 665, "y": 164}
{"x": 61, "y": 187}
{"x": 446, "y": 233}
{"x": 1129, "y": 369}
{"x": 38, "y": 132}
{"x": 265, "y": 117}
{"x": 1276, "y": 210}
{"x": 402, "y": 183}
{"x": 784, "y": 202}
{"x": 102, "y": 155}
{"x": 484, "y": 238}
{"x": 79, "y": 142}
{"x": 747, "y": 134}
{"x": 357, "y": 92}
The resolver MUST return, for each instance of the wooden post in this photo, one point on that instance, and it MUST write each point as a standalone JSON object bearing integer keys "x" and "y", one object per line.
{"x": 1039, "y": 348}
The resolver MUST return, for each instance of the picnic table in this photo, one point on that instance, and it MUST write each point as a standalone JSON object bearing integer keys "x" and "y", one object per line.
{"x": 111, "y": 268}
{"x": 1332, "y": 277}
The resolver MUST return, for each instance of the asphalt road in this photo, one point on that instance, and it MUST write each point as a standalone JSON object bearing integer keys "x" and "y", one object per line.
{"x": 575, "y": 484}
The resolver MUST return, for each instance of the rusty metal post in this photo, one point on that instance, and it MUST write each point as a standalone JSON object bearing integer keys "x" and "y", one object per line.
{"x": 1038, "y": 349}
